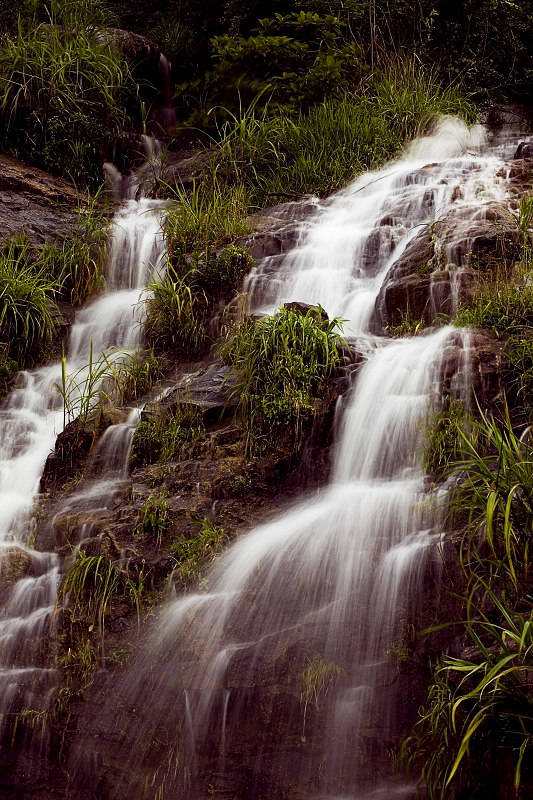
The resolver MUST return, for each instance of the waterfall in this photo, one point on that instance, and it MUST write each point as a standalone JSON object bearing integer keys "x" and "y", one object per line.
{"x": 31, "y": 417}
{"x": 281, "y": 677}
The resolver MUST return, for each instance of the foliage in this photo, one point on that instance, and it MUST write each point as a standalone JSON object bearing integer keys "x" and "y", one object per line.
{"x": 181, "y": 302}
{"x": 282, "y": 364}
{"x": 477, "y": 723}
{"x": 444, "y": 437}
{"x": 83, "y": 391}
{"x": 62, "y": 91}
{"x": 328, "y": 145}
{"x": 292, "y": 60}
{"x": 204, "y": 217}
{"x": 164, "y": 436}
{"x": 154, "y": 517}
{"x": 193, "y": 554}
{"x": 134, "y": 374}
{"x": 27, "y": 292}
{"x": 91, "y": 585}
{"x": 317, "y": 679}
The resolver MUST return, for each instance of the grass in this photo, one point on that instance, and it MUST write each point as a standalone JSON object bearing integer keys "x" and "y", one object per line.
{"x": 165, "y": 436}
{"x": 322, "y": 149}
{"x": 444, "y": 438}
{"x": 282, "y": 363}
{"x": 154, "y": 517}
{"x": 477, "y": 722}
{"x": 192, "y": 555}
{"x": 27, "y": 292}
{"x": 61, "y": 92}
{"x": 317, "y": 679}
{"x": 134, "y": 374}
{"x": 92, "y": 584}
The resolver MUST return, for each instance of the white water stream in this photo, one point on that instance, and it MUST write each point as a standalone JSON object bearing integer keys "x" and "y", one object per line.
{"x": 336, "y": 580}
{"x": 30, "y": 419}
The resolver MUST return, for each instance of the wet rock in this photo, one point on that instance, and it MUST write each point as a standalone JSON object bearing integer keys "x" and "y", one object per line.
{"x": 482, "y": 365}
{"x": 524, "y": 150}
{"x": 305, "y": 309}
{"x": 208, "y": 393}
{"x": 439, "y": 268}
{"x": 34, "y": 202}
{"x": 15, "y": 563}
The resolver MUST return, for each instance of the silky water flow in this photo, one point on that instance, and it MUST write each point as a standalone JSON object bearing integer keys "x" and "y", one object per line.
{"x": 31, "y": 417}
{"x": 279, "y": 680}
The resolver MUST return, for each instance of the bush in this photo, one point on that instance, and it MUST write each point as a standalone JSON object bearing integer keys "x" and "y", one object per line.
{"x": 292, "y": 60}
{"x": 62, "y": 91}
{"x": 282, "y": 363}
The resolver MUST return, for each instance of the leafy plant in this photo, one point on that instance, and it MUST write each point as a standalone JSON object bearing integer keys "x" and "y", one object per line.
{"x": 154, "y": 517}
{"x": 282, "y": 364}
{"x": 163, "y": 436}
{"x": 193, "y": 554}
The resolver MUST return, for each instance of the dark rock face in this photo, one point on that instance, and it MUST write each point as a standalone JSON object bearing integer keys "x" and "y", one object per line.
{"x": 34, "y": 202}
{"x": 524, "y": 150}
{"x": 439, "y": 268}
{"x": 209, "y": 392}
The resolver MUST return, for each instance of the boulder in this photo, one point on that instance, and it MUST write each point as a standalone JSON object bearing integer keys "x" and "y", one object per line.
{"x": 439, "y": 268}
{"x": 34, "y": 202}
{"x": 209, "y": 392}
{"x": 524, "y": 150}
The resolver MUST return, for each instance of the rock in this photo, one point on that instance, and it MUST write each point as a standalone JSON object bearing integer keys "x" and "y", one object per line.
{"x": 315, "y": 312}
{"x": 209, "y": 392}
{"x": 15, "y": 563}
{"x": 524, "y": 150}
{"x": 440, "y": 266}
{"x": 34, "y": 202}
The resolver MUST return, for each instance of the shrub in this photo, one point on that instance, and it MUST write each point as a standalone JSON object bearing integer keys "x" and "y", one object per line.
{"x": 293, "y": 60}
{"x": 154, "y": 517}
{"x": 282, "y": 364}
{"x": 62, "y": 91}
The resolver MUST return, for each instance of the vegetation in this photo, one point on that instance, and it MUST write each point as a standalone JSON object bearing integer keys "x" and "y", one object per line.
{"x": 181, "y": 303}
{"x": 317, "y": 679}
{"x": 154, "y": 517}
{"x": 93, "y": 583}
{"x": 193, "y": 555}
{"x": 63, "y": 89}
{"x": 282, "y": 363}
{"x": 478, "y": 720}
{"x": 164, "y": 436}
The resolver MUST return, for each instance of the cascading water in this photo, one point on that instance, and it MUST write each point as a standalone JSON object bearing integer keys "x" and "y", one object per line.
{"x": 30, "y": 419}
{"x": 279, "y": 681}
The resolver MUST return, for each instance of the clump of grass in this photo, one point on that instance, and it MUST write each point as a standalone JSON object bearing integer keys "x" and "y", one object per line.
{"x": 194, "y": 554}
{"x": 164, "y": 436}
{"x": 317, "y": 678}
{"x": 62, "y": 91}
{"x": 477, "y": 722}
{"x": 283, "y": 363}
{"x": 501, "y": 306}
{"x": 445, "y": 437}
{"x": 27, "y": 292}
{"x": 134, "y": 374}
{"x": 154, "y": 517}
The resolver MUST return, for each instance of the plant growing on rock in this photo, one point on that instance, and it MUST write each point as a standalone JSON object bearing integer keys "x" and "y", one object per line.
{"x": 27, "y": 292}
{"x": 62, "y": 91}
{"x": 154, "y": 517}
{"x": 283, "y": 363}
{"x": 164, "y": 436}
{"x": 194, "y": 554}
{"x": 477, "y": 723}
